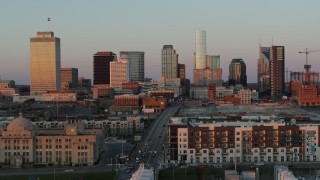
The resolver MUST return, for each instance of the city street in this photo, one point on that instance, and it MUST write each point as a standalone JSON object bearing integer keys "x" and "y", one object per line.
{"x": 152, "y": 143}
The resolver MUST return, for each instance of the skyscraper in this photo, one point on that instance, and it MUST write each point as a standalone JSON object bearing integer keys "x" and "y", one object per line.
{"x": 264, "y": 69}
{"x": 136, "y": 63}
{"x": 237, "y": 72}
{"x": 200, "y": 54}
{"x": 69, "y": 78}
{"x": 213, "y": 62}
{"x": 45, "y": 63}
{"x": 119, "y": 72}
{"x": 169, "y": 62}
{"x": 182, "y": 71}
{"x": 277, "y": 66}
{"x": 101, "y": 67}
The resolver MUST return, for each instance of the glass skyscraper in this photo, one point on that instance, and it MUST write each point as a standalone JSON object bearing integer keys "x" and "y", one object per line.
{"x": 200, "y": 54}
{"x": 264, "y": 69}
{"x": 237, "y": 72}
{"x": 136, "y": 64}
{"x": 169, "y": 62}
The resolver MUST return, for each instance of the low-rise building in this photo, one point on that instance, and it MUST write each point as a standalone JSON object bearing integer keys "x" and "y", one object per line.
{"x": 166, "y": 93}
{"x": 309, "y": 95}
{"x": 102, "y": 91}
{"x": 245, "y": 96}
{"x": 22, "y": 143}
{"x": 199, "y": 92}
{"x": 157, "y": 104}
{"x": 244, "y": 142}
{"x": 60, "y": 96}
{"x": 7, "y": 88}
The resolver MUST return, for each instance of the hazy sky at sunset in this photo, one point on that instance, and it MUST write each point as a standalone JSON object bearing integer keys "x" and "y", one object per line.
{"x": 85, "y": 27}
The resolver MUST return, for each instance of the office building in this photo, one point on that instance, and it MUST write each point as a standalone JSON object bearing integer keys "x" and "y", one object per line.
{"x": 69, "y": 78}
{"x": 182, "y": 72}
{"x": 213, "y": 62}
{"x": 101, "y": 67}
{"x": 200, "y": 54}
{"x": 237, "y": 72}
{"x": 277, "y": 70}
{"x": 169, "y": 62}
{"x": 119, "y": 73}
{"x": 136, "y": 63}
{"x": 45, "y": 63}
{"x": 264, "y": 69}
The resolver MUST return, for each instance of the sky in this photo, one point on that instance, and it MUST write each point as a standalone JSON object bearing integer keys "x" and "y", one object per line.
{"x": 234, "y": 29}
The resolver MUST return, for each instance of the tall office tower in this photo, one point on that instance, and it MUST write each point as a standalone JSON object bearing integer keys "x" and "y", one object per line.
{"x": 237, "y": 72}
{"x": 182, "y": 71}
{"x": 136, "y": 61}
{"x": 101, "y": 67}
{"x": 119, "y": 72}
{"x": 69, "y": 78}
{"x": 213, "y": 62}
{"x": 169, "y": 62}
{"x": 200, "y": 54}
{"x": 45, "y": 63}
{"x": 277, "y": 71}
{"x": 264, "y": 69}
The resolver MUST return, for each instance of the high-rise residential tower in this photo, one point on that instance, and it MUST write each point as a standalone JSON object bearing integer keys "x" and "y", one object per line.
{"x": 101, "y": 67}
{"x": 200, "y": 54}
{"x": 213, "y": 62}
{"x": 69, "y": 78}
{"x": 237, "y": 72}
{"x": 264, "y": 69}
{"x": 45, "y": 62}
{"x": 136, "y": 63}
{"x": 169, "y": 62}
{"x": 277, "y": 70}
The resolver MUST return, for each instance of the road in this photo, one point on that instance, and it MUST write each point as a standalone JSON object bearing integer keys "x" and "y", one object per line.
{"x": 155, "y": 137}
{"x": 153, "y": 142}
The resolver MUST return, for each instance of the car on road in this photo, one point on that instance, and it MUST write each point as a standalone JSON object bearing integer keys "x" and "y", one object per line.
{"x": 259, "y": 164}
{"x": 160, "y": 136}
{"x": 68, "y": 170}
{"x": 128, "y": 171}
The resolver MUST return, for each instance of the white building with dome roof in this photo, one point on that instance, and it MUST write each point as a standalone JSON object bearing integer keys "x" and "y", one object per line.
{"x": 22, "y": 143}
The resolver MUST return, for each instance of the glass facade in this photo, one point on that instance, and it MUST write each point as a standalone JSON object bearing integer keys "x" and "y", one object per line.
{"x": 200, "y": 55}
{"x": 169, "y": 62}
{"x": 136, "y": 64}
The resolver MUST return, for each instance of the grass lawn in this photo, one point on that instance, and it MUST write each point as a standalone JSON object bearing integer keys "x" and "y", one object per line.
{"x": 64, "y": 176}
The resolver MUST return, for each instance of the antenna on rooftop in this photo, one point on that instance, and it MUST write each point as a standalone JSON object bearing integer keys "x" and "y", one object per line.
{"x": 49, "y": 19}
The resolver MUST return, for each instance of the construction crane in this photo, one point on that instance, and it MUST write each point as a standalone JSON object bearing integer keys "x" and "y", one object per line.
{"x": 307, "y": 66}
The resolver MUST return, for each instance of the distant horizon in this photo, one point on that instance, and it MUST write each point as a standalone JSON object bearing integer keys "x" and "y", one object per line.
{"x": 234, "y": 30}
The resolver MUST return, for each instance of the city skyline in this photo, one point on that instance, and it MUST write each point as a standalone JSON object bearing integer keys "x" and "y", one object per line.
{"x": 233, "y": 31}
